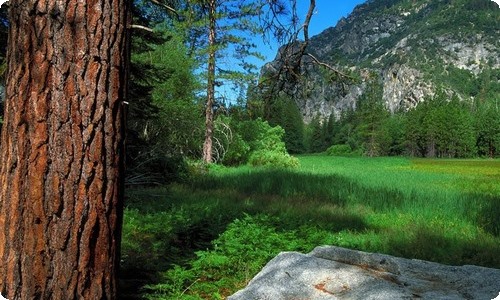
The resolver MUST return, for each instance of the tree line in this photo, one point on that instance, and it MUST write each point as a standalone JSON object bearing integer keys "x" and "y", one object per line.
{"x": 442, "y": 125}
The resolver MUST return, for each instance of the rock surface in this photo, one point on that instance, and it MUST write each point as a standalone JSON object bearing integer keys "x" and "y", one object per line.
{"x": 337, "y": 273}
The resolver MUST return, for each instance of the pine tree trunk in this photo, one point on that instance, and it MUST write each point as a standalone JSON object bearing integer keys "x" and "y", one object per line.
{"x": 62, "y": 148}
{"x": 209, "y": 114}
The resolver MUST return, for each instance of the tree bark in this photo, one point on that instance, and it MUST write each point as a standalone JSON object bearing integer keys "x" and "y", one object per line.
{"x": 209, "y": 113}
{"x": 62, "y": 147}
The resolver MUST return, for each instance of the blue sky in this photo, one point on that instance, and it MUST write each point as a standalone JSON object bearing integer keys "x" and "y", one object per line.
{"x": 327, "y": 14}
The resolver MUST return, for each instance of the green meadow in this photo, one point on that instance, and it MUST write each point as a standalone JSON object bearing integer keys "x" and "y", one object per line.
{"x": 207, "y": 237}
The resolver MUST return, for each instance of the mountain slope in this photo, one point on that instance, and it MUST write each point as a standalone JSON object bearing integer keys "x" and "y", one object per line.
{"x": 410, "y": 47}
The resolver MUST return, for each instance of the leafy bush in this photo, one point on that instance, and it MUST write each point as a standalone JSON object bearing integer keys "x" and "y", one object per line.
{"x": 259, "y": 144}
{"x": 269, "y": 148}
{"x": 339, "y": 150}
{"x": 237, "y": 153}
{"x": 273, "y": 159}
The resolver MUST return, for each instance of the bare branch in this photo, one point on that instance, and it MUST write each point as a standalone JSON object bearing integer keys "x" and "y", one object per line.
{"x": 168, "y": 8}
{"x": 327, "y": 66}
{"x": 136, "y": 26}
{"x": 307, "y": 21}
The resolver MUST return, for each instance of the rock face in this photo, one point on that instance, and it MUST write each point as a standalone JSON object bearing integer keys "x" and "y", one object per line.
{"x": 337, "y": 273}
{"x": 410, "y": 47}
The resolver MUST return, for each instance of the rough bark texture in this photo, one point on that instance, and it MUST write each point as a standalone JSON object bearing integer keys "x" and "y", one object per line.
{"x": 209, "y": 113}
{"x": 61, "y": 156}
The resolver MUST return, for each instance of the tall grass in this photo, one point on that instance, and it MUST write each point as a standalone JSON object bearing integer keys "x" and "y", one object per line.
{"x": 224, "y": 226}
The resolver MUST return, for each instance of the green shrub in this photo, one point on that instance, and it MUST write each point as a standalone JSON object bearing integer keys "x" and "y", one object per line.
{"x": 339, "y": 150}
{"x": 238, "y": 152}
{"x": 269, "y": 148}
{"x": 262, "y": 145}
{"x": 273, "y": 159}
{"x": 254, "y": 142}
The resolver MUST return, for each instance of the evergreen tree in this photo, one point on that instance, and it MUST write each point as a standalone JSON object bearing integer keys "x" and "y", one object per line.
{"x": 316, "y": 136}
{"x": 285, "y": 113}
{"x": 458, "y": 136}
{"x": 330, "y": 130}
{"x": 164, "y": 121}
{"x": 230, "y": 25}
{"x": 487, "y": 128}
{"x": 440, "y": 127}
{"x": 414, "y": 130}
{"x": 372, "y": 113}
{"x": 346, "y": 130}
{"x": 393, "y": 142}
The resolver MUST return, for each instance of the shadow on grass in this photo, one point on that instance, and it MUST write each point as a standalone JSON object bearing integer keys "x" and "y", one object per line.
{"x": 295, "y": 186}
{"x": 423, "y": 242}
{"x": 489, "y": 214}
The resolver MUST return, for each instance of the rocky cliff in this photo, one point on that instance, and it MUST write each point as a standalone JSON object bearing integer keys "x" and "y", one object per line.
{"x": 409, "y": 47}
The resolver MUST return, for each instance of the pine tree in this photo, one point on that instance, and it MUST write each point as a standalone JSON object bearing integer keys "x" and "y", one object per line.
{"x": 372, "y": 114}
{"x": 316, "y": 138}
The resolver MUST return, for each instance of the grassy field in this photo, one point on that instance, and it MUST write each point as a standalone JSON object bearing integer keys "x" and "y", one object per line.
{"x": 208, "y": 237}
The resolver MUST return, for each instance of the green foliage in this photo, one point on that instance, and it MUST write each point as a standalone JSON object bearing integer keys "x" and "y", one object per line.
{"x": 371, "y": 114}
{"x": 346, "y": 130}
{"x": 255, "y": 142}
{"x": 285, "y": 113}
{"x": 164, "y": 121}
{"x": 316, "y": 136}
{"x": 246, "y": 245}
{"x": 394, "y": 129}
{"x": 487, "y": 128}
{"x": 273, "y": 159}
{"x": 238, "y": 152}
{"x": 441, "y": 128}
{"x": 268, "y": 148}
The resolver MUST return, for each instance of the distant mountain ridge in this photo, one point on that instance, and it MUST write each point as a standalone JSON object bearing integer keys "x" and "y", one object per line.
{"x": 410, "y": 47}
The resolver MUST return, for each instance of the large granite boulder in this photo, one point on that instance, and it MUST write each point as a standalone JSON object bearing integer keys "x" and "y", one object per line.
{"x": 337, "y": 273}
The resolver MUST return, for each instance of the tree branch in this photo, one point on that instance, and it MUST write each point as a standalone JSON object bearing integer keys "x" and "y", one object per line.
{"x": 136, "y": 26}
{"x": 168, "y": 8}
{"x": 293, "y": 53}
{"x": 307, "y": 21}
{"x": 327, "y": 66}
